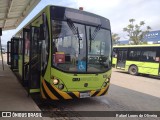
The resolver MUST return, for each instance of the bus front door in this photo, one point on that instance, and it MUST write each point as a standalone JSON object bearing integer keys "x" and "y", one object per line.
{"x": 14, "y": 53}
{"x": 25, "y": 56}
{"x": 9, "y": 52}
{"x": 34, "y": 61}
{"x": 121, "y": 58}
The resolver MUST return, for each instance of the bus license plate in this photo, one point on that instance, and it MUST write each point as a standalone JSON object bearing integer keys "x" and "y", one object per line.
{"x": 84, "y": 95}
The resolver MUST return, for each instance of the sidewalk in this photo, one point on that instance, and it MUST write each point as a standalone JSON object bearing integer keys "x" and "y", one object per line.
{"x": 13, "y": 97}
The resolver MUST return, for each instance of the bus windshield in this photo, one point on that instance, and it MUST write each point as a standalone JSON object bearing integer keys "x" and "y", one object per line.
{"x": 77, "y": 51}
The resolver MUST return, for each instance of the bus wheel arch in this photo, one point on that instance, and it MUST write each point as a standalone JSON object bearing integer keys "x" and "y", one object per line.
{"x": 133, "y": 70}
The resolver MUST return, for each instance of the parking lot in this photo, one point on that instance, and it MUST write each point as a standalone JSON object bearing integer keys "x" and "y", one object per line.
{"x": 137, "y": 93}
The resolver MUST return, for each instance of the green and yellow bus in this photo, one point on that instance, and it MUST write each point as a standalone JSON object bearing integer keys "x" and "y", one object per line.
{"x": 63, "y": 53}
{"x": 144, "y": 59}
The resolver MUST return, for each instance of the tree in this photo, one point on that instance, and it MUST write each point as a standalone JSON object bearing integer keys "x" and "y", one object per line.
{"x": 115, "y": 38}
{"x": 136, "y": 32}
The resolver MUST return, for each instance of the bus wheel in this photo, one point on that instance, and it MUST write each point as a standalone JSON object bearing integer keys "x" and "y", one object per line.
{"x": 133, "y": 70}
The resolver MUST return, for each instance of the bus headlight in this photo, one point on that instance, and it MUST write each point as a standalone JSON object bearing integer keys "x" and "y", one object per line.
{"x": 108, "y": 80}
{"x": 60, "y": 86}
{"x": 55, "y": 81}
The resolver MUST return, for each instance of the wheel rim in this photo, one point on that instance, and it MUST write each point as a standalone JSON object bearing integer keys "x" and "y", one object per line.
{"x": 133, "y": 70}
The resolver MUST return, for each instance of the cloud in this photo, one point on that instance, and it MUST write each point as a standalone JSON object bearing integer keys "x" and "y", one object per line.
{"x": 101, "y": 7}
{"x": 140, "y": 10}
{"x": 120, "y": 11}
{"x": 6, "y": 36}
{"x": 117, "y": 11}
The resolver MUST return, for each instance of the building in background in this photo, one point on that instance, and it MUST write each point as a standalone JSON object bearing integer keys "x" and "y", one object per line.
{"x": 123, "y": 42}
{"x": 153, "y": 37}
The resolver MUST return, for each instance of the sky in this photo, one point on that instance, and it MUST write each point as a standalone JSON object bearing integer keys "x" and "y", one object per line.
{"x": 117, "y": 11}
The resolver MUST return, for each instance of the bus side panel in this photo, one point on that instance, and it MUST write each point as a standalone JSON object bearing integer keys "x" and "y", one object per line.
{"x": 144, "y": 67}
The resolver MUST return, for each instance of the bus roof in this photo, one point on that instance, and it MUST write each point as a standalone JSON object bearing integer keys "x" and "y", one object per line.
{"x": 134, "y": 46}
{"x": 48, "y": 6}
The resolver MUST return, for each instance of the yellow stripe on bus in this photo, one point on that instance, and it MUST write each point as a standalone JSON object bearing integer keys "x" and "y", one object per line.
{"x": 63, "y": 94}
{"x": 42, "y": 93}
{"x": 102, "y": 90}
{"x": 92, "y": 92}
{"x": 76, "y": 94}
{"x": 51, "y": 95}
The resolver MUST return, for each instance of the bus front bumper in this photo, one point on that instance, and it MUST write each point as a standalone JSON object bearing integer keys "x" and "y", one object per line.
{"x": 49, "y": 91}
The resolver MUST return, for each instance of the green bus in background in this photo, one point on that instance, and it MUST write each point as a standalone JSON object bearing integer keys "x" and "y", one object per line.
{"x": 135, "y": 59}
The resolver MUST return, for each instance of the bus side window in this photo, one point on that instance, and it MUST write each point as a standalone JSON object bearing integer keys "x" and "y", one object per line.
{"x": 149, "y": 56}
{"x": 134, "y": 55}
{"x": 114, "y": 53}
{"x": 144, "y": 58}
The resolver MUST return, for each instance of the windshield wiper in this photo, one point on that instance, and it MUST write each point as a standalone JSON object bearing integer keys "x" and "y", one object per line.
{"x": 95, "y": 32}
{"x": 90, "y": 39}
{"x": 92, "y": 36}
{"x": 74, "y": 30}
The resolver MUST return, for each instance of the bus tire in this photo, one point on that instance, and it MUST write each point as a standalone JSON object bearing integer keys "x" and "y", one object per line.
{"x": 133, "y": 70}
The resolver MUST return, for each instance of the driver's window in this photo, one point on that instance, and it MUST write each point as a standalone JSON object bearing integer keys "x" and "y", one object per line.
{"x": 99, "y": 49}
{"x": 67, "y": 48}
